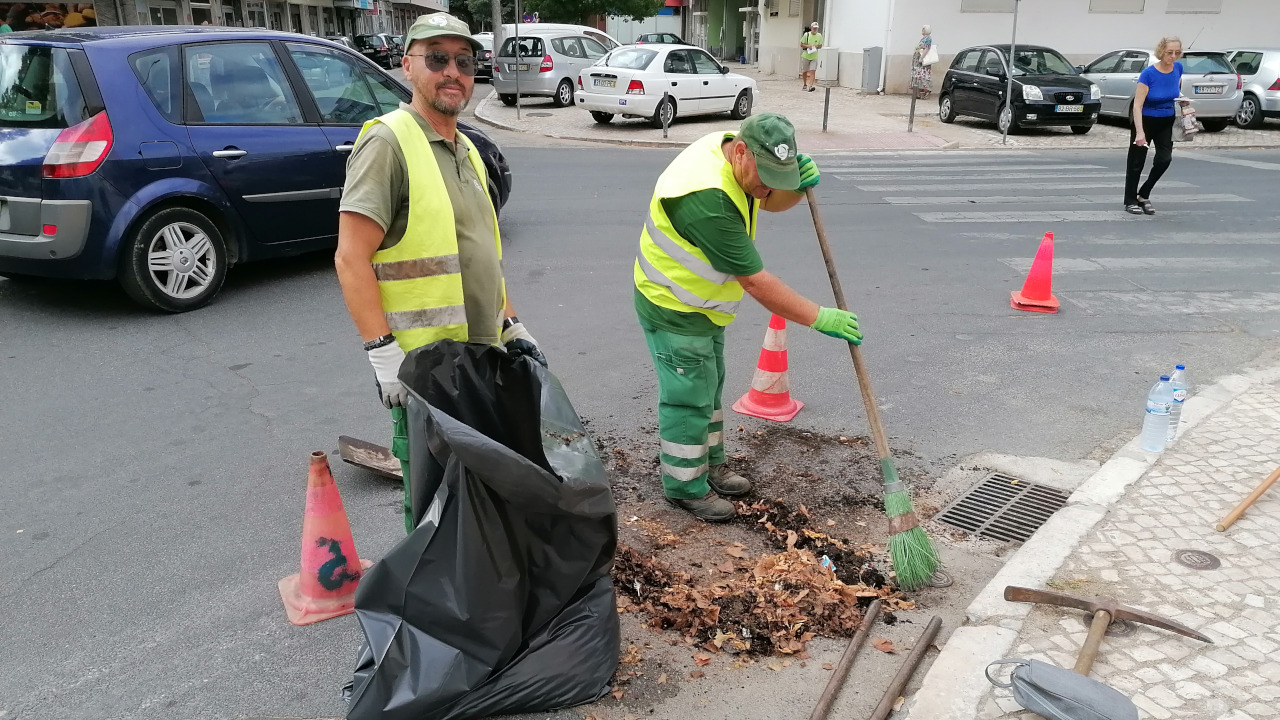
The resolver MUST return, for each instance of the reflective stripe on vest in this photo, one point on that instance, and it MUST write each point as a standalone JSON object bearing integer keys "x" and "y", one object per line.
{"x": 420, "y": 277}
{"x": 672, "y": 272}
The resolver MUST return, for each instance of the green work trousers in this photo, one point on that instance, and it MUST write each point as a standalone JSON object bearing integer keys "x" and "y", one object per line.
{"x": 690, "y": 419}
{"x": 400, "y": 449}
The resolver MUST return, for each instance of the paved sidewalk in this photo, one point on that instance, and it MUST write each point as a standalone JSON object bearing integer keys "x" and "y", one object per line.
{"x": 855, "y": 122}
{"x": 1170, "y": 504}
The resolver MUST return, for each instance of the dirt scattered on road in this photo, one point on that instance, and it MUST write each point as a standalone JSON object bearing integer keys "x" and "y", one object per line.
{"x": 803, "y": 558}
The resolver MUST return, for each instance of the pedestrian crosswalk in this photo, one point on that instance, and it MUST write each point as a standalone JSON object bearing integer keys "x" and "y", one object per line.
{"x": 1012, "y": 187}
{"x": 1208, "y": 252}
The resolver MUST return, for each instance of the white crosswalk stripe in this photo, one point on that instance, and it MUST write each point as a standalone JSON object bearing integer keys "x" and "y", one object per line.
{"x": 1010, "y": 199}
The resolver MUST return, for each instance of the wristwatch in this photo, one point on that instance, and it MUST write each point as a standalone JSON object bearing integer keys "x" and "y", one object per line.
{"x": 376, "y": 343}
{"x": 508, "y": 322}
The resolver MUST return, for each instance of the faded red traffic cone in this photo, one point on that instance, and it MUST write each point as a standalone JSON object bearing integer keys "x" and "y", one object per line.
{"x": 1037, "y": 291}
{"x": 331, "y": 569}
{"x": 770, "y": 394}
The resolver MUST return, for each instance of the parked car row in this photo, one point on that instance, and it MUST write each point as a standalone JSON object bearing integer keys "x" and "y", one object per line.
{"x": 1241, "y": 85}
{"x": 160, "y": 156}
{"x": 657, "y": 78}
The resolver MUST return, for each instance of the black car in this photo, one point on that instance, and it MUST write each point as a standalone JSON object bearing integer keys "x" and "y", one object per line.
{"x": 485, "y": 68}
{"x": 1047, "y": 91}
{"x": 379, "y": 49}
{"x": 660, "y": 39}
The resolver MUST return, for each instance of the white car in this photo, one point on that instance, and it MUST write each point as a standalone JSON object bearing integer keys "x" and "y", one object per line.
{"x": 631, "y": 81}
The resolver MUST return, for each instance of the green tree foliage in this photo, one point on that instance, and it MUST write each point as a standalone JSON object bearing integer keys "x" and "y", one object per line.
{"x": 575, "y": 11}
{"x": 477, "y": 13}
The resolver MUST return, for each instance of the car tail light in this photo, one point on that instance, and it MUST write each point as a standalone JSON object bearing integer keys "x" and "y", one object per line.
{"x": 1239, "y": 82}
{"x": 547, "y": 64}
{"x": 1275, "y": 85}
{"x": 49, "y": 230}
{"x": 635, "y": 88}
{"x": 580, "y": 83}
{"x": 79, "y": 149}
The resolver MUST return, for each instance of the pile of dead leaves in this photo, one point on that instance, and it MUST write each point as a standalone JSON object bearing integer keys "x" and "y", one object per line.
{"x": 775, "y": 604}
{"x": 792, "y": 530}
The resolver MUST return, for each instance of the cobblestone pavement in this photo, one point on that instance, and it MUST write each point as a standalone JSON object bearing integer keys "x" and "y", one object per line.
{"x": 1129, "y": 556}
{"x": 855, "y": 121}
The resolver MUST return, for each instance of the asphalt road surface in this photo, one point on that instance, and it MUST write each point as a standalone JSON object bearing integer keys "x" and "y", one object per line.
{"x": 153, "y": 466}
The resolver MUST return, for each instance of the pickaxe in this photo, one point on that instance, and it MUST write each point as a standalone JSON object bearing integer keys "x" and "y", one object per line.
{"x": 1104, "y": 611}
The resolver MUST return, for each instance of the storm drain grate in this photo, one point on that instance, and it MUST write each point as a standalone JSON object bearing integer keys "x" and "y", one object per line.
{"x": 1003, "y": 507}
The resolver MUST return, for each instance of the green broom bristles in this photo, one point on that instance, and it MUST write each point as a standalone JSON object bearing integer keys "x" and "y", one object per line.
{"x": 914, "y": 558}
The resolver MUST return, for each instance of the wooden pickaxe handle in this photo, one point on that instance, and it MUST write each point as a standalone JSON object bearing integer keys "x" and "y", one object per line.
{"x": 1089, "y": 653}
{"x": 1248, "y": 502}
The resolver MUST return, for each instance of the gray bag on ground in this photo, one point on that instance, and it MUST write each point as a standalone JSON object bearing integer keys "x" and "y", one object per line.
{"x": 1060, "y": 694}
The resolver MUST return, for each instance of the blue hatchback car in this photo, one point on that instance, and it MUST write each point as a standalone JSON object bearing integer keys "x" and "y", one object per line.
{"x": 162, "y": 156}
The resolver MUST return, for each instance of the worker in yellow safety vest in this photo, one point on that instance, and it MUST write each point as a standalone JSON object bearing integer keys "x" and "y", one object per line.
{"x": 697, "y": 257}
{"x": 419, "y": 256}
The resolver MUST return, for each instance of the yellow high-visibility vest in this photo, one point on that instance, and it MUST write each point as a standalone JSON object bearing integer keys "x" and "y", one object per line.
{"x": 420, "y": 277}
{"x": 671, "y": 271}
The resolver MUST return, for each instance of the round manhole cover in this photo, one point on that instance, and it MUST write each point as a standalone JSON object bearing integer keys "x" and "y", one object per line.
{"x": 1196, "y": 559}
{"x": 940, "y": 579}
{"x": 538, "y": 114}
{"x": 1117, "y": 628}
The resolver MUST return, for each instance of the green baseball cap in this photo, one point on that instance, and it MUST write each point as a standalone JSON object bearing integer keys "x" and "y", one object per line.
{"x": 772, "y": 139}
{"x": 440, "y": 25}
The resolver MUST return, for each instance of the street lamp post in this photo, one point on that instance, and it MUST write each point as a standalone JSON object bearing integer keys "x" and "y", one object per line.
{"x": 1008, "y": 92}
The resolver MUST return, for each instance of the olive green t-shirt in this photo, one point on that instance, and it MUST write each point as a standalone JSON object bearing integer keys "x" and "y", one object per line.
{"x": 709, "y": 220}
{"x": 378, "y": 187}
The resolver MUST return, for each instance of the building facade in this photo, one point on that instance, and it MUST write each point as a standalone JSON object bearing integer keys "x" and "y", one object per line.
{"x": 1079, "y": 29}
{"x": 311, "y": 17}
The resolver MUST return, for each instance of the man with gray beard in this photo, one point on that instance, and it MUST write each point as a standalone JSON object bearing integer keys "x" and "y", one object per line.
{"x": 419, "y": 256}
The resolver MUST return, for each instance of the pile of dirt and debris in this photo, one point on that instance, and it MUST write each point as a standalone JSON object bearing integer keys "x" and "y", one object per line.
{"x": 773, "y": 604}
{"x": 803, "y": 558}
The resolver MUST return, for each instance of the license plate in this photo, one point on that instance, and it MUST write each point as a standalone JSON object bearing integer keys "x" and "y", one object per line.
{"x": 1069, "y": 108}
{"x": 604, "y": 83}
{"x": 521, "y": 67}
{"x": 1210, "y": 89}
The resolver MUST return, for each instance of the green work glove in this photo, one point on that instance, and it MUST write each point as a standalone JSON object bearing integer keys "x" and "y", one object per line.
{"x": 839, "y": 324}
{"x": 809, "y": 175}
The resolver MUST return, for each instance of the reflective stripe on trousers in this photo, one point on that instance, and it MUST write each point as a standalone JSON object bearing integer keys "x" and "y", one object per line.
{"x": 690, "y": 420}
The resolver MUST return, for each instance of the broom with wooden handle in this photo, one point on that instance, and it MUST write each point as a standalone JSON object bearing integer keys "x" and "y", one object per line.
{"x": 913, "y": 555}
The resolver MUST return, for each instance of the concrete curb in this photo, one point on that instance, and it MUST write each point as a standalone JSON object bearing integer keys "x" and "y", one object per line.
{"x": 955, "y": 684}
{"x": 952, "y": 145}
{"x": 484, "y": 104}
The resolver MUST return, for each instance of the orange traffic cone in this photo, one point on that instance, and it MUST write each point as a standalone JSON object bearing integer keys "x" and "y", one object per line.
{"x": 770, "y": 394}
{"x": 326, "y": 586}
{"x": 1037, "y": 291}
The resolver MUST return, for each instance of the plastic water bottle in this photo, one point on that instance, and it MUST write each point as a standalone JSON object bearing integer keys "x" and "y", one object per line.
{"x": 1155, "y": 426}
{"x": 1177, "y": 381}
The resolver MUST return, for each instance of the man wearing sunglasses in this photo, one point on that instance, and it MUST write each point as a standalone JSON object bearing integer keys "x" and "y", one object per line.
{"x": 697, "y": 257}
{"x": 419, "y": 256}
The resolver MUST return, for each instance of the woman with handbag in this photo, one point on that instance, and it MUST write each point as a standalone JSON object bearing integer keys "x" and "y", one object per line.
{"x": 922, "y": 64}
{"x": 1153, "y": 117}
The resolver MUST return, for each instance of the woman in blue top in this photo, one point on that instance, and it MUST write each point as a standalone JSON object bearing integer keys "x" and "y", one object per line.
{"x": 1153, "y": 118}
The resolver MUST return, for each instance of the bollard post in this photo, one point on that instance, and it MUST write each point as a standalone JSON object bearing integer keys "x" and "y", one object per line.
{"x": 911, "y": 118}
{"x": 666, "y": 118}
{"x": 826, "y": 107}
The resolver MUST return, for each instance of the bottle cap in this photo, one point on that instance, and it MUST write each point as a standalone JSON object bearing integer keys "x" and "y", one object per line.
{"x": 1179, "y": 367}
{"x": 1164, "y": 378}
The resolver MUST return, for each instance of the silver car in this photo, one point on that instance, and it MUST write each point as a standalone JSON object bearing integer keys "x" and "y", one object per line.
{"x": 1259, "y": 68}
{"x": 1207, "y": 78}
{"x": 547, "y": 66}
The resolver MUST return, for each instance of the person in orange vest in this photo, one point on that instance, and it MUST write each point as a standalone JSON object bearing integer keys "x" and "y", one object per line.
{"x": 419, "y": 255}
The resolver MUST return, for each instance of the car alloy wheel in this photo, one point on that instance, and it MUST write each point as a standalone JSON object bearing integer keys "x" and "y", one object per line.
{"x": 1006, "y": 121}
{"x": 1249, "y": 115}
{"x": 175, "y": 260}
{"x": 741, "y": 106}
{"x": 945, "y": 113}
{"x": 181, "y": 260}
{"x": 564, "y": 94}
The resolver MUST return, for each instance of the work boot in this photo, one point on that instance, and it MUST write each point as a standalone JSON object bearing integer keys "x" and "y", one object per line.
{"x": 727, "y": 482}
{"x": 709, "y": 507}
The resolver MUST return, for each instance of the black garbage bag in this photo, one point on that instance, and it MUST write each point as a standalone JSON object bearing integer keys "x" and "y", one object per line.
{"x": 500, "y": 601}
